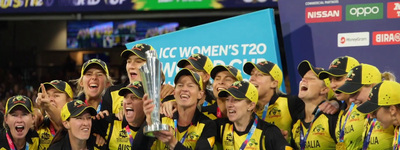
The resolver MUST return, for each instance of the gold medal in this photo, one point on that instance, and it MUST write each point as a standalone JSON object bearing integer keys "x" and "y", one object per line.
{"x": 340, "y": 146}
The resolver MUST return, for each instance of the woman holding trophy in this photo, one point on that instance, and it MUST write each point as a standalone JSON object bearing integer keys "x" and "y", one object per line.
{"x": 189, "y": 128}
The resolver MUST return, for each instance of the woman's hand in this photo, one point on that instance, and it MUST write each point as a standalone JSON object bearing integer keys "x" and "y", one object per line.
{"x": 148, "y": 107}
{"x": 168, "y": 108}
{"x": 167, "y": 137}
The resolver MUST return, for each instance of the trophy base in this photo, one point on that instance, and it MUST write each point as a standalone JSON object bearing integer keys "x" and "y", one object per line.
{"x": 149, "y": 129}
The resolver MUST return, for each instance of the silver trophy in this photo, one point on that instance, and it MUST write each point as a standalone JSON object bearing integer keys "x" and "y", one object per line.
{"x": 150, "y": 73}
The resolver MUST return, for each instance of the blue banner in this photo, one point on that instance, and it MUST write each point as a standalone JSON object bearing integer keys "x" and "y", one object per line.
{"x": 321, "y": 31}
{"x": 233, "y": 41}
{"x": 81, "y": 6}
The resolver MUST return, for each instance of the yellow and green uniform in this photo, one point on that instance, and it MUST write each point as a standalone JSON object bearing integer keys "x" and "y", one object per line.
{"x": 32, "y": 140}
{"x": 46, "y": 134}
{"x": 200, "y": 134}
{"x": 321, "y": 134}
{"x": 282, "y": 110}
{"x": 352, "y": 129}
{"x": 118, "y": 135}
{"x": 380, "y": 138}
{"x": 111, "y": 100}
{"x": 265, "y": 136}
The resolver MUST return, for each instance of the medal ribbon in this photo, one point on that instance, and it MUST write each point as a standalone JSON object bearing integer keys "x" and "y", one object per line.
{"x": 205, "y": 103}
{"x": 11, "y": 144}
{"x": 219, "y": 114}
{"x": 98, "y": 107}
{"x": 396, "y": 146}
{"x": 128, "y": 130}
{"x": 341, "y": 136}
{"x": 52, "y": 131}
{"x": 368, "y": 137}
{"x": 252, "y": 129}
{"x": 303, "y": 138}
{"x": 264, "y": 114}
{"x": 176, "y": 132}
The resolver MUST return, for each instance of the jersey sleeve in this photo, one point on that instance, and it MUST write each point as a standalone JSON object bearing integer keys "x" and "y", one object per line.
{"x": 332, "y": 125}
{"x": 207, "y": 138}
{"x": 168, "y": 98}
{"x": 107, "y": 101}
{"x": 274, "y": 139}
{"x": 296, "y": 105}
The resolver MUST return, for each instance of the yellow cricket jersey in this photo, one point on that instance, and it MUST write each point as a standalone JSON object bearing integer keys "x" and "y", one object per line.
{"x": 45, "y": 134}
{"x": 281, "y": 112}
{"x": 381, "y": 138}
{"x": 111, "y": 100}
{"x": 321, "y": 134}
{"x": 32, "y": 139}
{"x": 118, "y": 137}
{"x": 265, "y": 136}
{"x": 352, "y": 131}
{"x": 199, "y": 135}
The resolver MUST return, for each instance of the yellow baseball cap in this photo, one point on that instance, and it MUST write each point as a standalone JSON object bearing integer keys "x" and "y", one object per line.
{"x": 385, "y": 93}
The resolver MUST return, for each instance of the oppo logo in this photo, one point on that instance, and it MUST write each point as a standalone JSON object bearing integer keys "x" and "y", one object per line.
{"x": 364, "y": 11}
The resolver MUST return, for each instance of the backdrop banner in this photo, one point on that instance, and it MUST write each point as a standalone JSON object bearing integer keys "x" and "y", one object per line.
{"x": 233, "y": 41}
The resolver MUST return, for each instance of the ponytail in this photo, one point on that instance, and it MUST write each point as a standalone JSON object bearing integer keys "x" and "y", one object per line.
{"x": 388, "y": 76}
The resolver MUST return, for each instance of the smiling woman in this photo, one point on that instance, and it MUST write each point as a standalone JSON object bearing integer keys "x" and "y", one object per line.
{"x": 76, "y": 118}
{"x": 94, "y": 80}
{"x": 243, "y": 129}
{"x": 189, "y": 128}
{"x": 18, "y": 121}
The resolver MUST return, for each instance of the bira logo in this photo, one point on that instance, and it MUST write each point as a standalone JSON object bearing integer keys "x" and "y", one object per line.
{"x": 386, "y": 37}
{"x": 393, "y": 10}
{"x": 323, "y": 14}
{"x": 364, "y": 11}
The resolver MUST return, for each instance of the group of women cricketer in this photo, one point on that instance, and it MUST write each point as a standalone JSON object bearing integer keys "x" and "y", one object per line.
{"x": 350, "y": 105}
